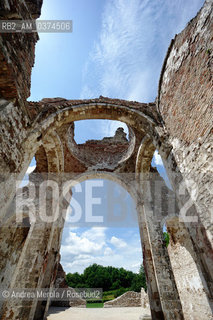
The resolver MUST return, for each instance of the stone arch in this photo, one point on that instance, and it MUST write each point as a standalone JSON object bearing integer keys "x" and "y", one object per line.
{"x": 180, "y": 238}
{"x": 52, "y": 146}
{"x": 118, "y": 178}
{"x": 83, "y": 153}
{"x": 41, "y": 308}
{"x": 60, "y": 114}
{"x": 156, "y": 261}
{"x": 53, "y": 114}
{"x": 44, "y": 139}
{"x": 49, "y": 157}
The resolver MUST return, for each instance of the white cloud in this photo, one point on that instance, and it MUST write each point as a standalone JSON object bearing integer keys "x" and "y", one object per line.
{"x": 109, "y": 127}
{"x": 81, "y": 245}
{"x": 89, "y": 242}
{"x": 128, "y": 54}
{"x": 95, "y": 234}
{"x": 108, "y": 252}
{"x": 118, "y": 243}
{"x": 115, "y": 55}
{"x": 127, "y": 57}
{"x": 157, "y": 159}
{"x": 95, "y": 245}
{"x": 30, "y": 169}
{"x": 136, "y": 265}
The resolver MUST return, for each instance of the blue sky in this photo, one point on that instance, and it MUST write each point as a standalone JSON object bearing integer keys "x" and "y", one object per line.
{"x": 107, "y": 244}
{"x": 116, "y": 49}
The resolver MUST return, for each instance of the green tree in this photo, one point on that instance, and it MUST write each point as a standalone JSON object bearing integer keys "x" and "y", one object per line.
{"x": 139, "y": 281}
{"x": 73, "y": 279}
{"x": 107, "y": 278}
{"x": 166, "y": 238}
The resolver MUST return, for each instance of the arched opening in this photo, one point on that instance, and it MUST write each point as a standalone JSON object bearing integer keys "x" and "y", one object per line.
{"x": 23, "y": 239}
{"x": 97, "y": 129}
{"x": 101, "y": 153}
{"x": 106, "y": 233}
{"x": 157, "y": 162}
{"x": 30, "y": 170}
{"x": 103, "y": 204}
{"x": 185, "y": 264}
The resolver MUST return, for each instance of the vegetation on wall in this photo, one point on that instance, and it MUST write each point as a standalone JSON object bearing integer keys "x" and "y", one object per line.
{"x": 166, "y": 238}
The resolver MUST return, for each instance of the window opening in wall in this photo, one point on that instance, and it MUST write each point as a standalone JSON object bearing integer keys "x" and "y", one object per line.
{"x": 30, "y": 169}
{"x": 157, "y": 162}
{"x": 97, "y": 129}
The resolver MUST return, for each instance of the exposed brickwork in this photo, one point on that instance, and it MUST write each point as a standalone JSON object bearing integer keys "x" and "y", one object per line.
{"x": 49, "y": 105}
{"x": 185, "y": 91}
{"x": 13, "y": 124}
{"x": 17, "y": 51}
{"x": 106, "y": 154}
{"x": 185, "y": 103}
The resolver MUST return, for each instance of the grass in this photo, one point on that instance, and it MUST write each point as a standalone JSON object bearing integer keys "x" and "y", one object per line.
{"x": 109, "y": 297}
{"x": 95, "y": 305}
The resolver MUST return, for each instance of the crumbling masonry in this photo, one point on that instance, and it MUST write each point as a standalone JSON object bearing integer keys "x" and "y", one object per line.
{"x": 178, "y": 125}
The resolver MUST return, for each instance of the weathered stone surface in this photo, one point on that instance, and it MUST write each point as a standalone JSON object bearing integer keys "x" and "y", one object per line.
{"x": 128, "y": 299}
{"x": 185, "y": 102}
{"x": 187, "y": 272}
{"x": 145, "y": 317}
{"x": 105, "y": 154}
{"x": 17, "y": 51}
{"x": 144, "y": 299}
{"x": 60, "y": 282}
{"x": 185, "y": 91}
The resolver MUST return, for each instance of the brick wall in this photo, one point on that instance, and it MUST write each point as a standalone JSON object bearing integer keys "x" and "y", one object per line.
{"x": 17, "y": 50}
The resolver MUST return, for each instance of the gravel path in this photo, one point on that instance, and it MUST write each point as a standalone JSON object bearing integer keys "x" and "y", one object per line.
{"x": 97, "y": 314}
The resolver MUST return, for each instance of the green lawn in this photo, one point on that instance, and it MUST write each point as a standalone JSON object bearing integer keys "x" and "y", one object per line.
{"x": 109, "y": 297}
{"x": 95, "y": 305}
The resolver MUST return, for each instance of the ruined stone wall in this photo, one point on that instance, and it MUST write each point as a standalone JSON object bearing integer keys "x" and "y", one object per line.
{"x": 14, "y": 156}
{"x": 13, "y": 126}
{"x": 185, "y": 103}
{"x": 188, "y": 274}
{"x": 17, "y": 51}
{"x": 60, "y": 282}
{"x": 128, "y": 299}
{"x": 185, "y": 90}
{"x": 106, "y": 154}
{"x": 12, "y": 239}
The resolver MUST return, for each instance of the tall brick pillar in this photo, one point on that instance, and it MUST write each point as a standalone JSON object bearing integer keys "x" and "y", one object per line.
{"x": 157, "y": 262}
